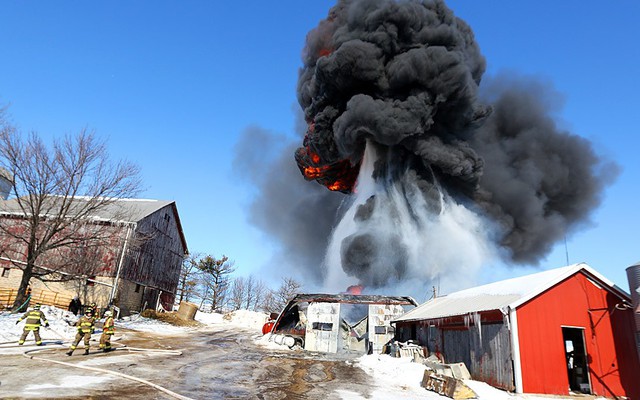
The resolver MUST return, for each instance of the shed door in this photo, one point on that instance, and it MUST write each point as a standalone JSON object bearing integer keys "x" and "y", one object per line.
{"x": 576, "y": 356}
{"x": 456, "y": 346}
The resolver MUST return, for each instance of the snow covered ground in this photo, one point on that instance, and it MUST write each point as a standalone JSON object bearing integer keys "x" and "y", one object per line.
{"x": 395, "y": 378}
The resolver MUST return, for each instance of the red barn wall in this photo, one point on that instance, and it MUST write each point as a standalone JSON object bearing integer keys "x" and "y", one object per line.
{"x": 608, "y": 334}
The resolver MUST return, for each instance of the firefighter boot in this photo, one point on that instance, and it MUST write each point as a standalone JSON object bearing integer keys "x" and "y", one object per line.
{"x": 86, "y": 352}
{"x": 70, "y": 352}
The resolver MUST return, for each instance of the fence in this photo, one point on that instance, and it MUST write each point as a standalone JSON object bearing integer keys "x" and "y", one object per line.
{"x": 45, "y": 297}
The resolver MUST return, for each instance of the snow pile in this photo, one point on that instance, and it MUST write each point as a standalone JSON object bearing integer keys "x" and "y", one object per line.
{"x": 268, "y": 342}
{"x": 401, "y": 378}
{"x": 241, "y": 318}
{"x": 396, "y": 378}
{"x": 60, "y": 327}
{"x": 209, "y": 318}
{"x": 250, "y": 319}
{"x": 139, "y": 323}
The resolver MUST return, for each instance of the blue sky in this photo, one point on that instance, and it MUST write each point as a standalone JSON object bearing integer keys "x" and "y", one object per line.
{"x": 172, "y": 85}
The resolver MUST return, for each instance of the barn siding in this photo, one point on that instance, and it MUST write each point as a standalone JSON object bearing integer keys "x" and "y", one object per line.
{"x": 488, "y": 358}
{"x": 158, "y": 259}
{"x": 578, "y": 302}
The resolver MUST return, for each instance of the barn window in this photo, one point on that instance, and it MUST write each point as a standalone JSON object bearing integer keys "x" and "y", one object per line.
{"x": 90, "y": 280}
{"x": 167, "y": 217}
{"x": 137, "y": 288}
{"x": 5, "y": 272}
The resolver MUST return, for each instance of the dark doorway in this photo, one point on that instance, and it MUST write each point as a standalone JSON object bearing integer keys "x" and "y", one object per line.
{"x": 576, "y": 357}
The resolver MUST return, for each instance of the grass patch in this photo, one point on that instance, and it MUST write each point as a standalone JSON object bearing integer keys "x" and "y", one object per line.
{"x": 169, "y": 317}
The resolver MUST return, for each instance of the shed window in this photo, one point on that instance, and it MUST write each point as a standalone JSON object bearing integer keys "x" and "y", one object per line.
{"x": 5, "y": 272}
{"x": 90, "y": 280}
{"x": 380, "y": 330}
{"x": 137, "y": 288}
{"x": 322, "y": 326}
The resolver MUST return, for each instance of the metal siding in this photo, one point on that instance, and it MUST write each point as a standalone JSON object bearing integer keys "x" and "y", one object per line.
{"x": 322, "y": 340}
{"x": 633, "y": 276}
{"x": 577, "y": 302}
{"x": 381, "y": 316}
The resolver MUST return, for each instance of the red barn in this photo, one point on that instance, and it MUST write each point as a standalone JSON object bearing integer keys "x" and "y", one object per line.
{"x": 566, "y": 330}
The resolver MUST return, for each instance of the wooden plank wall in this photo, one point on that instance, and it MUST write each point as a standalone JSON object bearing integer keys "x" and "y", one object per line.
{"x": 44, "y": 297}
{"x": 156, "y": 263}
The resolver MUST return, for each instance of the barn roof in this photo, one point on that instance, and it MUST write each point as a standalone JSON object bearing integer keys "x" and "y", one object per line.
{"x": 503, "y": 295}
{"x": 120, "y": 211}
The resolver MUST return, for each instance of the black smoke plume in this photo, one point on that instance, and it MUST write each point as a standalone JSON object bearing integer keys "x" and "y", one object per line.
{"x": 405, "y": 76}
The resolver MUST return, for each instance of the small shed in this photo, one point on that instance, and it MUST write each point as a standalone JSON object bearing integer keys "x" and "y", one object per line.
{"x": 339, "y": 323}
{"x": 561, "y": 331}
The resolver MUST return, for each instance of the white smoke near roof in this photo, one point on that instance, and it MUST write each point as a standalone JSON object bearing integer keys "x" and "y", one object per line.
{"x": 403, "y": 239}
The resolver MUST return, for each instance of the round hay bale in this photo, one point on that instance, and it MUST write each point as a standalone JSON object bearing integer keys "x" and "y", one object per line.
{"x": 187, "y": 311}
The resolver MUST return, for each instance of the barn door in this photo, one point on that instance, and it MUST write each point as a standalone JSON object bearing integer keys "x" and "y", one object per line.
{"x": 576, "y": 356}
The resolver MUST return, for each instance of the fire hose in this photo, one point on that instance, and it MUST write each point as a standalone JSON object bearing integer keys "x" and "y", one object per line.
{"x": 119, "y": 374}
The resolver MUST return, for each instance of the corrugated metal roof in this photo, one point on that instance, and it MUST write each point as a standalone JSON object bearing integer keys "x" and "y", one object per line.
{"x": 446, "y": 306}
{"x": 509, "y": 293}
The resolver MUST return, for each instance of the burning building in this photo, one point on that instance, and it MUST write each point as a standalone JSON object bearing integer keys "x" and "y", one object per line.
{"x": 340, "y": 323}
{"x": 433, "y": 161}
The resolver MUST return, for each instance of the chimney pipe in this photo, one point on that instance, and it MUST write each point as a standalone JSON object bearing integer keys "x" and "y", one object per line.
{"x": 633, "y": 275}
{"x": 6, "y": 183}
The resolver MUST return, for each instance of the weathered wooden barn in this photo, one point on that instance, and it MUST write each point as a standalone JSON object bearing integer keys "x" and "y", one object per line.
{"x": 559, "y": 331}
{"x": 137, "y": 267}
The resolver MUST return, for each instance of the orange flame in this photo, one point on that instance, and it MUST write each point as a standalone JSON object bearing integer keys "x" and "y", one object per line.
{"x": 355, "y": 289}
{"x": 324, "y": 52}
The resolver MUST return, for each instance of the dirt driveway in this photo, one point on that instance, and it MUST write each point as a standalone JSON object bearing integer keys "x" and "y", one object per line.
{"x": 214, "y": 364}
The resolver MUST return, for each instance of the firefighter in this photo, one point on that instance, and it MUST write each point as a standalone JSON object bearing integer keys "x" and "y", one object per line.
{"x": 94, "y": 309}
{"x": 86, "y": 326}
{"x": 33, "y": 318}
{"x": 108, "y": 329}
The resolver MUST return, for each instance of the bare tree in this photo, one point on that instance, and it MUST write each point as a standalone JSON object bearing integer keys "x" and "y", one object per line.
{"x": 269, "y": 304}
{"x": 276, "y": 300}
{"x": 255, "y": 293}
{"x": 215, "y": 279}
{"x": 238, "y": 293}
{"x": 56, "y": 202}
{"x": 188, "y": 278}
